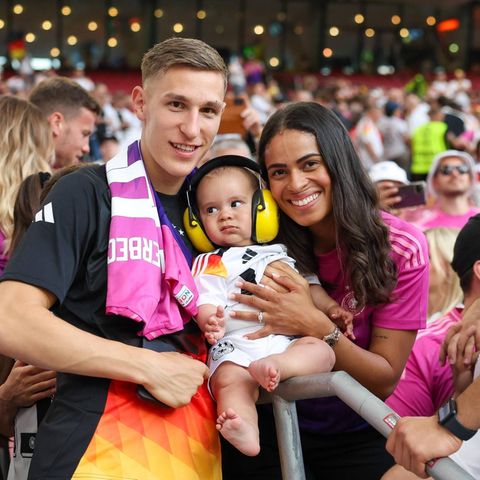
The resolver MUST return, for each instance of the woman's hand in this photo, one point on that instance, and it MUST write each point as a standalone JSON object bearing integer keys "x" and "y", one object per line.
{"x": 289, "y": 313}
{"x": 276, "y": 269}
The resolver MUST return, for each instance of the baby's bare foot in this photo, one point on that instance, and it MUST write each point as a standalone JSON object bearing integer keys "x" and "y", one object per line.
{"x": 242, "y": 435}
{"x": 266, "y": 373}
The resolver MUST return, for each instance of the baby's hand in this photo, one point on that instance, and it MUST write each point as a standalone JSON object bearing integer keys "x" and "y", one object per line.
{"x": 343, "y": 319}
{"x": 215, "y": 326}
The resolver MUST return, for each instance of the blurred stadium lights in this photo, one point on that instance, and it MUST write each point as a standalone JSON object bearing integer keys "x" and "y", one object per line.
{"x": 116, "y": 33}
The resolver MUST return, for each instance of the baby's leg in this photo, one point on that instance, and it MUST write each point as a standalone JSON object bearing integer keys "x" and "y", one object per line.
{"x": 305, "y": 356}
{"x": 236, "y": 393}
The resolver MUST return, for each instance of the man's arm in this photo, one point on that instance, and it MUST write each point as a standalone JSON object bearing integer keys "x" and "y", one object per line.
{"x": 417, "y": 440}
{"x": 30, "y": 332}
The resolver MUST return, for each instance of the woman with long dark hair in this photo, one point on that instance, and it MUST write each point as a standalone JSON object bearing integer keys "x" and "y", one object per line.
{"x": 370, "y": 262}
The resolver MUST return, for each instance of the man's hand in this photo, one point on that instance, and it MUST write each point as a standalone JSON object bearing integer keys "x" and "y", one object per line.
{"x": 27, "y": 384}
{"x": 464, "y": 337}
{"x": 173, "y": 378}
{"x": 251, "y": 122}
{"x": 387, "y": 194}
{"x": 417, "y": 440}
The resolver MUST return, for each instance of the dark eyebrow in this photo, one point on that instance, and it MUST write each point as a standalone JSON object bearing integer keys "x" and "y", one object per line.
{"x": 300, "y": 160}
{"x": 181, "y": 98}
{"x": 175, "y": 96}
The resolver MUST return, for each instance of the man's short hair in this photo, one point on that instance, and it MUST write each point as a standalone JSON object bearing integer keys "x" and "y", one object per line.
{"x": 178, "y": 51}
{"x": 467, "y": 251}
{"x": 60, "y": 94}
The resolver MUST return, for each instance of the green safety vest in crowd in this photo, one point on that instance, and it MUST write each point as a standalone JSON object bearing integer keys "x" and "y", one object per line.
{"x": 427, "y": 141}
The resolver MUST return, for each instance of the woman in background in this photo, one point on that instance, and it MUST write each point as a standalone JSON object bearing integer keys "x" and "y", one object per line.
{"x": 26, "y": 147}
{"x": 444, "y": 291}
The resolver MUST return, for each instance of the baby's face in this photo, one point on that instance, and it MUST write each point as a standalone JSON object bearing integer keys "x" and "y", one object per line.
{"x": 224, "y": 201}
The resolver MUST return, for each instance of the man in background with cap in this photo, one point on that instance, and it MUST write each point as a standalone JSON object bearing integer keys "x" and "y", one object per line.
{"x": 417, "y": 440}
{"x": 450, "y": 186}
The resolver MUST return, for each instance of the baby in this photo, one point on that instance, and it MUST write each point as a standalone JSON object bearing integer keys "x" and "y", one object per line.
{"x": 222, "y": 201}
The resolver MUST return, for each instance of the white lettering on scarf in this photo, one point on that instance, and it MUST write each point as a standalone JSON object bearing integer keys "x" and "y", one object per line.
{"x": 135, "y": 248}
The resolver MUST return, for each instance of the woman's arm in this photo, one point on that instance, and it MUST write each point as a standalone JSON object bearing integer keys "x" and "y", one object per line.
{"x": 378, "y": 368}
{"x": 294, "y": 313}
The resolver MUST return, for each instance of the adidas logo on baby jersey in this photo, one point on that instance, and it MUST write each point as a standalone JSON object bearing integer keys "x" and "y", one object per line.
{"x": 248, "y": 255}
{"x": 45, "y": 214}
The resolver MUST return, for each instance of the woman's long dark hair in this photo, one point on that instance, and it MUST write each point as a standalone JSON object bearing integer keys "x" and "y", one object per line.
{"x": 361, "y": 236}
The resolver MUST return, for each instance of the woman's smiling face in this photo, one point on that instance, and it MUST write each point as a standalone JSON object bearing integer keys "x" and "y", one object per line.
{"x": 298, "y": 177}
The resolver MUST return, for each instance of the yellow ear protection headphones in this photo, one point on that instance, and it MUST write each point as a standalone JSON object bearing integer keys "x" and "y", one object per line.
{"x": 264, "y": 208}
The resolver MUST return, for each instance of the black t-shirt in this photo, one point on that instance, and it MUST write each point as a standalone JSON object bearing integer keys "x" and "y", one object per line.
{"x": 65, "y": 251}
{"x": 175, "y": 206}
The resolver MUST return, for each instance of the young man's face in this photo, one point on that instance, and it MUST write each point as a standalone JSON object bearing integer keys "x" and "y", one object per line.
{"x": 181, "y": 111}
{"x": 225, "y": 206}
{"x": 71, "y": 137}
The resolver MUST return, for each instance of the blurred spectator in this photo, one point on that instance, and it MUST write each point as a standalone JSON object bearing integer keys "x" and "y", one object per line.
{"x": 458, "y": 84}
{"x": 26, "y": 147}
{"x": 71, "y": 112}
{"x": 416, "y": 112}
{"x": 254, "y": 70}
{"x": 368, "y": 139}
{"x": 130, "y": 125}
{"x": 236, "y": 75}
{"x": 440, "y": 85}
{"x": 108, "y": 123}
{"x": 260, "y": 101}
{"x": 454, "y": 118}
{"x": 109, "y": 147}
{"x": 450, "y": 185}
{"x": 418, "y": 85}
{"x": 229, "y": 144}
{"x": 302, "y": 95}
{"x": 17, "y": 85}
{"x": 387, "y": 177}
{"x": 427, "y": 141}
{"x": 394, "y": 131}
{"x": 78, "y": 76}
{"x": 444, "y": 289}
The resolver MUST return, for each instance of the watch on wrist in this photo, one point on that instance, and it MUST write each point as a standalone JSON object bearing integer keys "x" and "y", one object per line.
{"x": 447, "y": 417}
{"x": 332, "y": 338}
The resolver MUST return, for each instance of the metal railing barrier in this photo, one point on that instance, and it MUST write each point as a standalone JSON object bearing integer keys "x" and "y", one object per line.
{"x": 357, "y": 397}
